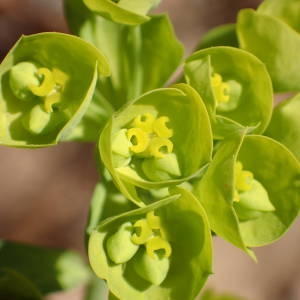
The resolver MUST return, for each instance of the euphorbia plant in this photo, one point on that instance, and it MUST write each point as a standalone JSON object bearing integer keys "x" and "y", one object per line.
{"x": 177, "y": 162}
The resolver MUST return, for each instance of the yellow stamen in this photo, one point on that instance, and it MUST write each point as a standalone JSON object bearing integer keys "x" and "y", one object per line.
{"x": 144, "y": 122}
{"x": 142, "y": 232}
{"x": 161, "y": 129}
{"x": 157, "y": 243}
{"x": 47, "y": 84}
{"x": 138, "y": 138}
{"x": 160, "y": 146}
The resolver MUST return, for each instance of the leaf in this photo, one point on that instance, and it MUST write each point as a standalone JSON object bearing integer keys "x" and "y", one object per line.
{"x": 60, "y": 56}
{"x": 135, "y": 55}
{"x": 186, "y": 227}
{"x": 130, "y": 12}
{"x": 49, "y": 269}
{"x": 239, "y": 99}
{"x": 216, "y": 190}
{"x": 274, "y": 167}
{"x": 285, "y": 124}
{"x": 259, "y": 32}
{"x": 106, "y": 201}
{"x": 279, "y": 172}
{"x": 14, "y": 286}
{"x": 223, "y": 35}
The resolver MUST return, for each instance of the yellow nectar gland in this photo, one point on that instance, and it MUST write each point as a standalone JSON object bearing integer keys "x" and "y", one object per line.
{"x": 243, "y": 180}
{"x": 148, "y": 231}
{"x": 150, "y": 136}
{"x": 220, "y": 88}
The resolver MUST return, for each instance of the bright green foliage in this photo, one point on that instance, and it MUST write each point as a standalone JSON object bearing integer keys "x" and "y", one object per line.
{"x": 49, "y": 269}
{"x": 135, "y": 55}
{"x": 173, "y": 238}
{"x": 169, "y": 153}
{"x": 130, "y": 12}
{"x": 285, "y": 124}
{"x": 272, "y": 34}
{"x": 42, "y": 100}
{"x": 148, "y": 235}
{"x": 260, "y": 203}
{"x": 223, "y": 35}
{"x": 235, "y": 87}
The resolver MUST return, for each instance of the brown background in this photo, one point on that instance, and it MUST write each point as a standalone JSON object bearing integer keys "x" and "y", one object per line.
{"x": 45, "y": 193}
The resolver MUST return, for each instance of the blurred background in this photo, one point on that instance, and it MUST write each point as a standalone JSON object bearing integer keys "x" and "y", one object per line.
{"x": 45, "y": 193}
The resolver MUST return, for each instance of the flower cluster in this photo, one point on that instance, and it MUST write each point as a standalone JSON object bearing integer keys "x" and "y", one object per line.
{"x": 177, "y": 162}
{"x": 145, "y": 245}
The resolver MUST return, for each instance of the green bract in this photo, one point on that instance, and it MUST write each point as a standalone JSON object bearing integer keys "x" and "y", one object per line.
{"x": 272, "y": 34}
{"x": 167, "y": 247}
{"x": 251, "y": 190}
{"x": 223, "y": 35}
{"x": 285, "y": 124}
{"x": 131, "y": 12}
{"x": 235, "y": 87}
{"x": 160, "y": 139}
{"x": 47, "y": 82}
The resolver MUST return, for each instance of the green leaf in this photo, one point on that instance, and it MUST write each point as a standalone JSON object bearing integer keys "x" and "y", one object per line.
{"x": 62, "y": 92}
{"x": 14, "y": 286}
{"x": 223, "y": 35}
{"x": 260, "y": 31}
{"x": 285, "y": 124}
{"x": 277, "y": 171}
{"x": 135, "y": 55}
{"x": 130, "y": 12}
{"x": 191, "y": 143}
{"x": 185, "y": 226}
{"x": 287, "y": 11}
{"x": 49, "y": 269}
{"x": 227, "y": 80}
{"x": 216, "y": 191}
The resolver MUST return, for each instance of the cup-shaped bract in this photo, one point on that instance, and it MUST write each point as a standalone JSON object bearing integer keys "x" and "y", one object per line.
{"x": 251, "y": 191}
{"x": 173, "y": 259}
{"x": 47, "y": 82}
{"x": 285, "y": 124}
{"x": 130, "y": 12}
{"x": 272, "y": 34}
{"x": 160, "y": 139}
{"x": 235, "y": 87}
